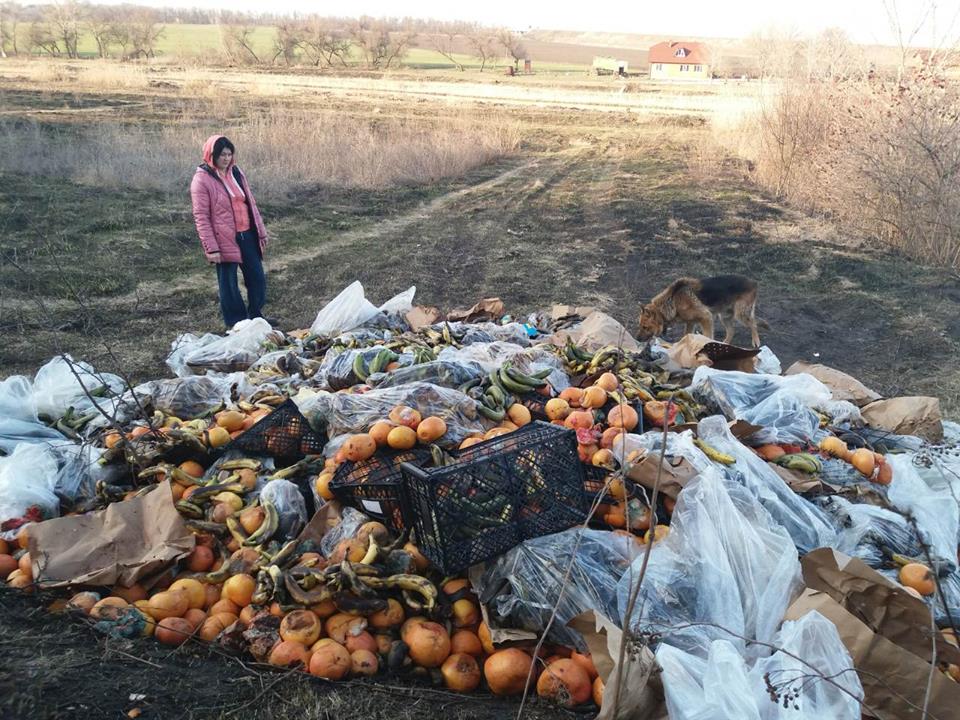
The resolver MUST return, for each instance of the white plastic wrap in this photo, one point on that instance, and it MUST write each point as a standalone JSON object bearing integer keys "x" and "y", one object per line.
{"x": 237, "y": 350}
{"x": 28, "y": 478}
{"x": 722, "y": 686}
{"x": 725, "y": 561}
{"x": 807, "y": 524}
{"x": 869, "y": 532}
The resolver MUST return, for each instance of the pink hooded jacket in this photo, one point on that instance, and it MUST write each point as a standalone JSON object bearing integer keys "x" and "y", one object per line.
{"x": 213, "y": 210}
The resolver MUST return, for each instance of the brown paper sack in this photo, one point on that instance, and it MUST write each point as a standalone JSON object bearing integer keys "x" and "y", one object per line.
{"x": 486, "y": 309}
{"x": 887, "y": 633}
{"x": 691, "y": 351}
{"x": 596, "y": 331}
{"x": 675, "y": 475}
{"x": 422, "y": 316}
{"x": 843, "y": 386}
{"x": 918, "y": 416}
{"x": 638, "y": 701}
{"x": 128, "y": 541}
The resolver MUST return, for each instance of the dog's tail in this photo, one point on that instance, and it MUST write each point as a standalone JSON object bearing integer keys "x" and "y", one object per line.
{"x": 762, "y": 323}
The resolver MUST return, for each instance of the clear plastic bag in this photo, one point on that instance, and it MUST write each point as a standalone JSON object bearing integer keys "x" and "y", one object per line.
{"x": 439, "y": 372}
{"x": 192, "y": 396}
{"x": 807, "y": 524}
{"x": 57, "y": 388}
{"x": 336, "y": 370}
{"x": 725, "y": 562}
{"x": 723, "y": 686}
{"x": 237, "y": 350}
{"x": 492, "y": 355}
{"x": 341, "y": 413}
{"x": 868, "y": 532}
{"x": 28, "y": 479}
{"x": 521, "y": 587}
{"x": 350, "y": 522}
{"x": 784, "y": 419}
{"x": 291, "y": 508}
{"x": 351, "y": 309}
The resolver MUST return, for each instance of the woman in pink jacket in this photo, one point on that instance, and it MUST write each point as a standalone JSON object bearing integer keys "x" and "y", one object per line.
{"x": 231, "y": 230}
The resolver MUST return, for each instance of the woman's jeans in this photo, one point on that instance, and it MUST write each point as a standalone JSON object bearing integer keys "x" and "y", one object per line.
{"x": 231, "y": 301}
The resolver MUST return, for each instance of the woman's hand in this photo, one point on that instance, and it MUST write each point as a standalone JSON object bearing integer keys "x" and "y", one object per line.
{"x": 213, "y": 257}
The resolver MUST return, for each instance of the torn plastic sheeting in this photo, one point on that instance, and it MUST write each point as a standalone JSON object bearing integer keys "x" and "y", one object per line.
{"x": 725, "y": 561}
{"x": 807, "y": 524}
{"x": 522, "y": 586}
{"x": 350, "y": 522}
{"x": 341, "y": 413}
{"x": 724, "y": 686}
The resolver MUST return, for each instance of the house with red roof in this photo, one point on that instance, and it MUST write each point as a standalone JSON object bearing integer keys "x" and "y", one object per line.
{"x": 679, "y": 61}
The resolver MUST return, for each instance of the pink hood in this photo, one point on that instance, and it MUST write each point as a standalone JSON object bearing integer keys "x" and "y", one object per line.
{"x": 208, "y": 152}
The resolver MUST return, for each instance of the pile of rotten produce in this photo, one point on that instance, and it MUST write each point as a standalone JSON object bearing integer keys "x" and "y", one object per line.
{"x": 262, "y": 444}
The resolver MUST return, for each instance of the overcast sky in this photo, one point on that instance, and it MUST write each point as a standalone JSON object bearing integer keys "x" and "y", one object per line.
{"x": 867, "y": 21}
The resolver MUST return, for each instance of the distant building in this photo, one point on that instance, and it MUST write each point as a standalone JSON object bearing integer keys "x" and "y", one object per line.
{"x": 679, "y": 61}
{"x": 604, "y": 65}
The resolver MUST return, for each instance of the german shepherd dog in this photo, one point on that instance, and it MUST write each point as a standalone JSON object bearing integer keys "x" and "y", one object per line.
{"x": 695, "y": 302}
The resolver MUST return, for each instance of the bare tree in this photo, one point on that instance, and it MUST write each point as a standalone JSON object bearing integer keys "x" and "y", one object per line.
{"x": 43, "y": 39}
{"x": 101, "y": 23}
{"x": 378, "y": 46}
{"x": 513, "y": 45}
{"x": 145, "y": 32}
{"x": 780, "y": 53}
{"x": 9, "y": 20}
{"x": 445, "y": 43}
{"x": 65, "y": 18}
{"x": 323, "y": 42}
{"x": 484, "y": 45}
{"x": 287, "y": 41}
{"x": 834, "y": 56}
{"x": 238, "y": 43}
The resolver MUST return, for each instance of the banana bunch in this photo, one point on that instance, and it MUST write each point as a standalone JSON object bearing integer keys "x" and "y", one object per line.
{"x": 802, "y": 462}
{"x": 354, "y": 587}
{"x": 362, "y": 369}
{"x": 70, "y": 423}
{"x": 443, "y": 336}
{"x": 496, "y": 393}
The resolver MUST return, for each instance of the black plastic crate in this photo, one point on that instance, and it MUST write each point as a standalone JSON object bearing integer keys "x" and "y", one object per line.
{"x": 284, "y": 434}
{"x": 595, "y": 479}
{"x": 375, "y": 486}
{"x": 495, "y": 495}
